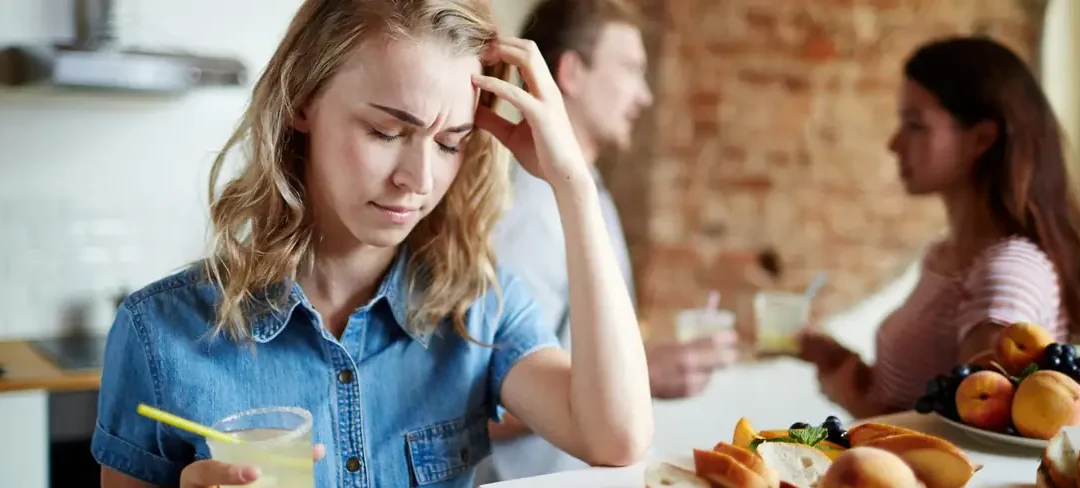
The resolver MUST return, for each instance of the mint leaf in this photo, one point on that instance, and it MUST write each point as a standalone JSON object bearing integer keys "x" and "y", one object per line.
{"x": 809, "y": 435}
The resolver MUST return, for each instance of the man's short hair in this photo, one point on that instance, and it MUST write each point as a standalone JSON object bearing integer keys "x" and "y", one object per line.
{"x": 559, "y": 26}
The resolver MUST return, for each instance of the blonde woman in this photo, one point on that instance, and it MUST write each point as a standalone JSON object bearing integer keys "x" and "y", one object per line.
{"x": 351, "y": 273}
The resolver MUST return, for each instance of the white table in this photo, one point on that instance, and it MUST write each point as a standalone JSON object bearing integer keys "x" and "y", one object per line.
{"x": 772, "y": 395}
{"x": 1001, "y": 467}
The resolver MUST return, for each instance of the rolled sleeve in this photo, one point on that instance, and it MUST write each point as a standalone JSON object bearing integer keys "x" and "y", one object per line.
{"x": 124, "y": 440}
{"x": 522, "y": 330}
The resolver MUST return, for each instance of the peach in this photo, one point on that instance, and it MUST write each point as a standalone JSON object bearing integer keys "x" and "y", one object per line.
{"x": 868, "y": 467}
{"x": 1045, "y": 402}
{"x": 984, "y": 400}
{"x": 1021, "y": 344}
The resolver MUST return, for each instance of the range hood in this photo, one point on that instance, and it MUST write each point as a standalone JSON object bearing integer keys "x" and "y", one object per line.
{"x": 95, "y": 61}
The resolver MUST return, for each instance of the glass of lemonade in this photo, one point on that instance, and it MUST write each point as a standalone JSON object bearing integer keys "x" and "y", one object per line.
{"x": 693, "y": 324}
{"x": 276, "y": 439}
{"x": 780, "y": 316}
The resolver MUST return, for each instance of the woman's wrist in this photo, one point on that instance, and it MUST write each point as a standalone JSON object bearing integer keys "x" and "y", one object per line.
{"x": 574, "y": 184}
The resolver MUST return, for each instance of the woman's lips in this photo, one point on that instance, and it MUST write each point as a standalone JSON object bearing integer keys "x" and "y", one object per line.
{"x": 396, "y": 214}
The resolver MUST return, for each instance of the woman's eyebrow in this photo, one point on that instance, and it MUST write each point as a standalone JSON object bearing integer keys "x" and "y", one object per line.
{"x": 413, "y": 120}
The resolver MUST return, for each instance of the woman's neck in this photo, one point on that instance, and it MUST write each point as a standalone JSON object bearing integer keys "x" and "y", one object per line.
{"x": 343, "y": 278}
{"x": 971, "y": 225}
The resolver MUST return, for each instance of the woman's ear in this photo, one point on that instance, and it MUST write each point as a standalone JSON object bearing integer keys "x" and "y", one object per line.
{"x": 301, "y": 121}
{"x": 984, "y": 135}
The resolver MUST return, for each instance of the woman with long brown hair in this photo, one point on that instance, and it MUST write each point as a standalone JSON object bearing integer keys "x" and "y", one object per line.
{"x": 351, "y": 273}
{"x": 978, "y": 132}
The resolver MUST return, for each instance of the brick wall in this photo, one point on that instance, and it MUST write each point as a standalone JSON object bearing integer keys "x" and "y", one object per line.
{"x": 764, "y": 161}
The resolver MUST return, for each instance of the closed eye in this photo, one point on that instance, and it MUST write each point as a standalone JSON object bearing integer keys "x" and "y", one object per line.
{"x": 382, "y": 136}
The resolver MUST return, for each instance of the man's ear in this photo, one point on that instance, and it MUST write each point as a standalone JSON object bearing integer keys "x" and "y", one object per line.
{"x": 570, "y": 72}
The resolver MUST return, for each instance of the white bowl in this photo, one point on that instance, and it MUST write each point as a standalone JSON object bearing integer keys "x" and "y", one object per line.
{"x": 990, "y": 438}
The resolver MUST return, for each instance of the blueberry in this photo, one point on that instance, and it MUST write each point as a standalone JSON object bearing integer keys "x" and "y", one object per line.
{"x": 799, "y": 425}
{"x": 1068, "y": 351}
{"x": 933, "y": 387}
{"x": 832, "y": 422}
{"x": 1055, "y": 350}
{"x": 944, "y": 384}
{"x": 940, "y": 406}
{"x": 960, "y": 372}
{"x": 1011, "y": 431}
{"x": 924, "y": 405}
{"x": 840, "y": 439}
{"x": 1052, "y": 363}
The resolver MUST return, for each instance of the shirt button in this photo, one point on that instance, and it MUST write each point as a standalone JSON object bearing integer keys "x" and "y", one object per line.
{"x": 352, "y": 464}
{"x": 345, "y": 376}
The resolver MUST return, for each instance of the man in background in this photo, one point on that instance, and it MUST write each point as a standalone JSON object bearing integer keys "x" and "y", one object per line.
{"x": 595, "y": 52}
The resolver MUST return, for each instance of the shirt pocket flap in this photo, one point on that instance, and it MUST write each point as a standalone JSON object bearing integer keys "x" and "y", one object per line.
{"x": 445, "y": 450}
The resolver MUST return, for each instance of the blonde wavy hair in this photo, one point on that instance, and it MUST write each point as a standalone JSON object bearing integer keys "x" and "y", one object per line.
{"x": 263, "y": 232}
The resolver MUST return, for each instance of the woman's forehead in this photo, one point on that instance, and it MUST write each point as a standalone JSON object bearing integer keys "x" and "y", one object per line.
{"x": 422, "y": 77}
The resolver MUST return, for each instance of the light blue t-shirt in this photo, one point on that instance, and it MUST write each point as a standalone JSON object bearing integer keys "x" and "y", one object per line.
{"x": 393, "y": 406}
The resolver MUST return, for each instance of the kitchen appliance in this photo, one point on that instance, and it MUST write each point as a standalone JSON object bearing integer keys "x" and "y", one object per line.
{"x": 96, "y": 61}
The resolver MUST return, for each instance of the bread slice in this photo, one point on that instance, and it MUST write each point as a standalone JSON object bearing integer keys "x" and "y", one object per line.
{"x": 797, "y": 464}
{"x": 724, "y": 471}
{"x": 862, "y": 434}
{"x": 1059, "y": 460}
{"x": 667, "y": 475}
{"x": 750, "y": 460}
{"x": 936, "y": 462}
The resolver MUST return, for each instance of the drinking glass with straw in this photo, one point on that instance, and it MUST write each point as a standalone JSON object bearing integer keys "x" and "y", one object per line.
{"x": 700, "y": 322}
{"x": 277, "y": 440}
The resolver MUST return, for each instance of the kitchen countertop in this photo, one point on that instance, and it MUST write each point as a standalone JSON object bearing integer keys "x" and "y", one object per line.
{"x": 25, "y": 368}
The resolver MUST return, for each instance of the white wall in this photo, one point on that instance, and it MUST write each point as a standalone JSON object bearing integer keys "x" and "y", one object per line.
{"x": 1060, "y": 52}
{"x": 99, "y": 192}
{"x": 103, "y": 192}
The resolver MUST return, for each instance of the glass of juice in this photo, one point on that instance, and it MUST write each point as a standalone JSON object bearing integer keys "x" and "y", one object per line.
{"x": 692, "y": 324}
{"x": 276, "y": 439}
{"x": 780, "y": 316}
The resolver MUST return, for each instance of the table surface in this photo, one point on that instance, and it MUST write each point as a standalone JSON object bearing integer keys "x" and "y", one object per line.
{"x": 25, "y": 368}
{"x": 1002, "y": 467}
{"x": 752, "y": 390}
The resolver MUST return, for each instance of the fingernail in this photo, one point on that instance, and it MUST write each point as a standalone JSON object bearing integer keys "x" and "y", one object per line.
{"x": 250, "y": 473}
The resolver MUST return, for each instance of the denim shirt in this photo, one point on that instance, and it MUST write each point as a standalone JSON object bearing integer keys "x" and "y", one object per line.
{"x": 394, "y": 407}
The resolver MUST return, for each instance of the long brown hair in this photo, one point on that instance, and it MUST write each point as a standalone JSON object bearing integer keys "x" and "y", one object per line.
{"x": 1024, "y": 176}
{"x": 262, "y": 227}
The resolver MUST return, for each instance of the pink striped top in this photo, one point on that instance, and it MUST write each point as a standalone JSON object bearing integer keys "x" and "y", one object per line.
{"x": 1011, "y": 281}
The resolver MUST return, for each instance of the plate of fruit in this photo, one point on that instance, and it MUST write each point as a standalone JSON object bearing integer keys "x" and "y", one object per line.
{"x": 1021, "y": 393}
{"x": 821, "y": 456}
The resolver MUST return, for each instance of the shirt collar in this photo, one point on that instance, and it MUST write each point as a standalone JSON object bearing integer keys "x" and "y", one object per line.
{"x": 394, "y": 289}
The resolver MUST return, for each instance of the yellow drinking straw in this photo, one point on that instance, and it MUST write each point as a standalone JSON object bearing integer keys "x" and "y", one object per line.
{"x": 217, "y": 435}
{"x": 185, "y": 424}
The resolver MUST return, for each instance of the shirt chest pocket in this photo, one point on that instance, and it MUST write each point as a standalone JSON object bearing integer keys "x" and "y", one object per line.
{"x": 449, "y": 449}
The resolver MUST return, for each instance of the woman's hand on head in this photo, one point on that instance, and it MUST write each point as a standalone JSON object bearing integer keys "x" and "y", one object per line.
{"x": 210, "y": 473}
{"x": 544, "y": 141}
